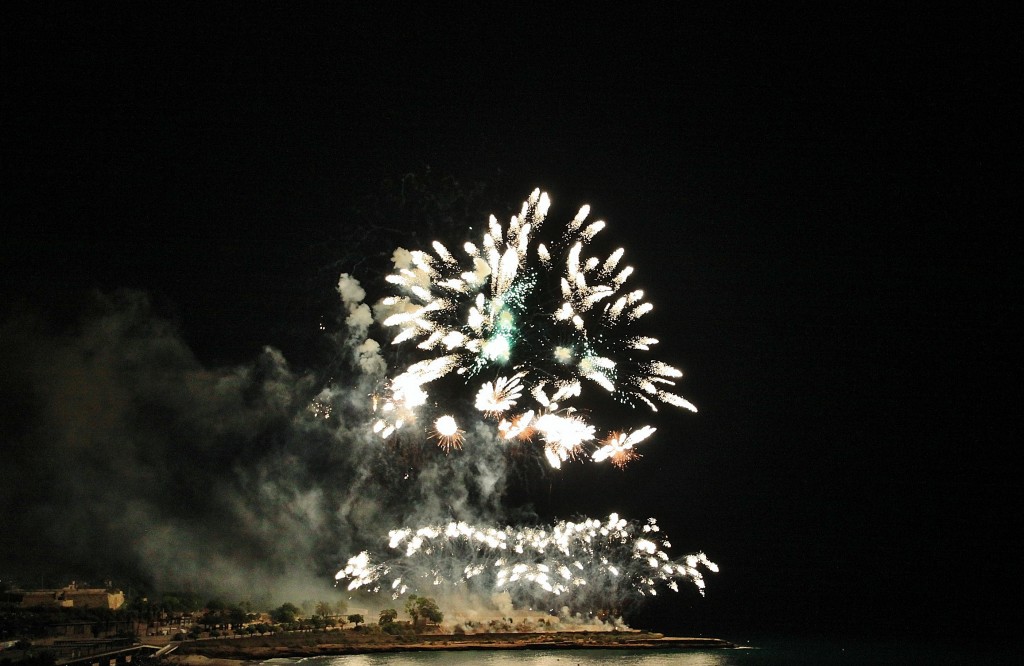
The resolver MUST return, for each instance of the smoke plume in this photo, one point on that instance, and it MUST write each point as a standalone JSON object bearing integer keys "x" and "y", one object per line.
{"x": 126, "y": 458}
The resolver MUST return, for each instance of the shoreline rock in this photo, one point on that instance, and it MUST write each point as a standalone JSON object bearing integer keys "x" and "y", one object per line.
{"x": 233, "y": 652}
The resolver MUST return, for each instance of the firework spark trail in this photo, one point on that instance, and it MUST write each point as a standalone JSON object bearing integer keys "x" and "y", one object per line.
{"x": 587, "y": 564}
{"x": 531, "y": 327}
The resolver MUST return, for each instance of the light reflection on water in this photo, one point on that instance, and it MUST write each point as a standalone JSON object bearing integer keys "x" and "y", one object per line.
{"x": 767, "y": 652}
{"x": 531, "y": 658}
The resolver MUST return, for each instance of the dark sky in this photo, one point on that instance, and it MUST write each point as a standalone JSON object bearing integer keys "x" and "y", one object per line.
{"x": 819, "y": 201}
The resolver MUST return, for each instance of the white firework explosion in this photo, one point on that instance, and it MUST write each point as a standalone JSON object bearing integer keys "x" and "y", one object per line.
{"x": 589, "y": 564}
{"x": 529, "y": 327}
{"x": 526, "y": 331}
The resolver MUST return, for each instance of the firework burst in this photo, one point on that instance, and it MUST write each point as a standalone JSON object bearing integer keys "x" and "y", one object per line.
{"x": 447, "y": 433}
{"x": 519, "y": 333}
{"x": 531, "y": 328}
{"x": 587, "y": 564}
{"x": 618, "y": 447}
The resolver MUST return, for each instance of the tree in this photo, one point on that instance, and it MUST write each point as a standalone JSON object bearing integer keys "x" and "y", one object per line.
{"x": 355, "y": 618}
{"x": 179, "y": 602}
{"x": 429, "y": 610}
{"x": 387, "y": 616}
{"x": 286, "y": 613}
{"x": 412, "y": 609}
{"x": 423, "y": 608}
{"x": 221, "y": 615}
{"x": 236, "y": 616}
{"x": 324, "y": 609}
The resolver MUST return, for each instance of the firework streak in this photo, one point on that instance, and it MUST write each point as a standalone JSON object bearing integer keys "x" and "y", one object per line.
{"x": 532, "y": 330}
{"x": 589, "y": 564}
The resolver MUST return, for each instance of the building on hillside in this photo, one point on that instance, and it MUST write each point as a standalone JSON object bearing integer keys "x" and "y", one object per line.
{"x": 73, "y": 596}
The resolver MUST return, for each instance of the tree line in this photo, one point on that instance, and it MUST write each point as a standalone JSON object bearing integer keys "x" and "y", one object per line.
{"x": 193, "y": 618}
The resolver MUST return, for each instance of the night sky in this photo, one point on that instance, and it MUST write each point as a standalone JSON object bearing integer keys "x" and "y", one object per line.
{"x": 819, "y": 201}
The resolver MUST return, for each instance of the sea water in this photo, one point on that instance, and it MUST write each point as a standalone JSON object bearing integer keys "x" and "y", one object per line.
{"x": 762, "y": 652}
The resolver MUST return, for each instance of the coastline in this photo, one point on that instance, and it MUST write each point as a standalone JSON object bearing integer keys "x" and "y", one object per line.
{"x": 233, "y": 652}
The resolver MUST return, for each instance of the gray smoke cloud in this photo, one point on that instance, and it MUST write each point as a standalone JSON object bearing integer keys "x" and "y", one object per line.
{"x": 125, "y": 456}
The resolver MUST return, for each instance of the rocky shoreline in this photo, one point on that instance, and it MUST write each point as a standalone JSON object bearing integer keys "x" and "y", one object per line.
{"x": 231, "y": 652}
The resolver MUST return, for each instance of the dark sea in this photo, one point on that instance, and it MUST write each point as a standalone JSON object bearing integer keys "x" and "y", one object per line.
{"x": 764, "y": 652}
